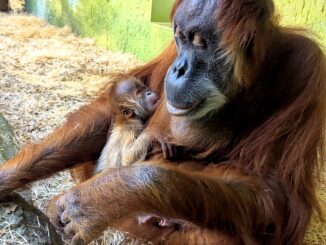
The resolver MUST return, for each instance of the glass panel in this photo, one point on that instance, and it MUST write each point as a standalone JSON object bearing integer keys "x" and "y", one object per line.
{"x": 161, "y": 10}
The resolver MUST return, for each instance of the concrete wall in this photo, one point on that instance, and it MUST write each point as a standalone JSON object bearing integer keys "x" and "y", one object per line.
{"x": 125, "y": 25}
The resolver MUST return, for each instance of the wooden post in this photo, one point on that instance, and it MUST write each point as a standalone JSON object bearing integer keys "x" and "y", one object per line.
{"x": 4, "y": 5}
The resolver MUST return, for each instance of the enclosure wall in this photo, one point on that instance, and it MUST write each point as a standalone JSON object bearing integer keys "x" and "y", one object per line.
{"x": 125, "y": 25}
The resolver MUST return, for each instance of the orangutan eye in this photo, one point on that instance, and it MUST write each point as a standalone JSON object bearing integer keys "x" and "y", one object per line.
{"x": 199, "y": 41}
{"x": 180, "y": 35}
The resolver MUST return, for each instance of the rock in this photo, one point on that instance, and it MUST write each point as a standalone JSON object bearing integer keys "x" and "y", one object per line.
{"x": 8, "y": 147}
{"x": 20, "y": 221}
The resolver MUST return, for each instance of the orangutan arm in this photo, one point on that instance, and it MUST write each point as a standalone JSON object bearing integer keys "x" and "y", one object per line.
{"x": 80, "y": 139}
{"x": 232, "y": 203}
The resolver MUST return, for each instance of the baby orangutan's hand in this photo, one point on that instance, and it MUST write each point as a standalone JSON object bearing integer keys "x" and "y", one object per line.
{"x": 169, "y": 150}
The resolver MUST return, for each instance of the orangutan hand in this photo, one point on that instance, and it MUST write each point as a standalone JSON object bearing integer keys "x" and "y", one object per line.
{"x": 74, "y": 219}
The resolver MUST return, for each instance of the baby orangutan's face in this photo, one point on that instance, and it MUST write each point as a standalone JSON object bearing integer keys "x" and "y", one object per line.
{"x": 136, "y": 99}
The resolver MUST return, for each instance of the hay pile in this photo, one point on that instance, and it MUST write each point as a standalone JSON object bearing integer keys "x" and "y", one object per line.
{"x": 46, "y": 72}
{"x": 16, "y": 5}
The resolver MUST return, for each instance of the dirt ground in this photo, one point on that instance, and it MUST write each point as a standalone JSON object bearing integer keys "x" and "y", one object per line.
{"x": 46, "y": 72}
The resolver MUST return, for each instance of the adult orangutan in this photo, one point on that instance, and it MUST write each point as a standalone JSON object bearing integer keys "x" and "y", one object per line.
{"x": 243, "y": 98}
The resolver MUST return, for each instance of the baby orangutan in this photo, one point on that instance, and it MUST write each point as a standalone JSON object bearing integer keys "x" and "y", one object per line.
{"x": 132, "y": 103}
